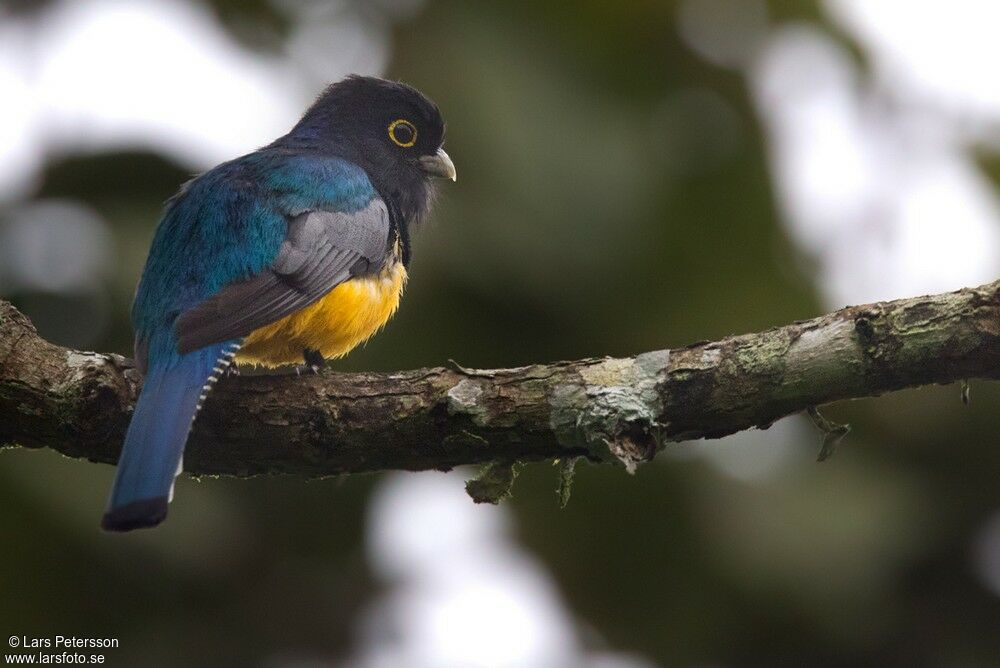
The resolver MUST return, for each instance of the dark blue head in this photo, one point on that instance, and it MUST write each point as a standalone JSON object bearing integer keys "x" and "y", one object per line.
{"x": 389, "y": 129}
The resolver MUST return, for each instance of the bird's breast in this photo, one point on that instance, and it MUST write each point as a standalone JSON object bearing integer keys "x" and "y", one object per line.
{"x": 346, "y": 316}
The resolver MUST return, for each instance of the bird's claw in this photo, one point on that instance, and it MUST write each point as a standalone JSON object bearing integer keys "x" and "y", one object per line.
{"x": 314, "y": 362}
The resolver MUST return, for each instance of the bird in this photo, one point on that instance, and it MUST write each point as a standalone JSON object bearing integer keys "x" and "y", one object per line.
{"x": 294, "y": 253}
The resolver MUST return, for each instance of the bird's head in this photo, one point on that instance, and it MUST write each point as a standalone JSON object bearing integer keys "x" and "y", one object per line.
{"x": 388, "y": 128}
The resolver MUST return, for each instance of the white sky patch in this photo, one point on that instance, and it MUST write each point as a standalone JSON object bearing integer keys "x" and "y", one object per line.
{"x": 333, "y": 41}
{"x": 941, "y": 51}
{"x": 462, "y": 593}
{"x": 53, "y": 246}
{"x": 756, "y": 455}
{"x": 161, "y": 73}
{"x": 94, "y": 75}
{"x": 20, "y": 133}
{"x": 885, "y": 198}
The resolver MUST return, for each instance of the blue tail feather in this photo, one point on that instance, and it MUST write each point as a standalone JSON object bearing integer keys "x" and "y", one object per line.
{"x": 154, "y": 445}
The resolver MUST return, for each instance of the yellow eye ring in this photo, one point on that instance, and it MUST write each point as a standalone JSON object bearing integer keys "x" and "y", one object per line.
{"x": 406, "y": 124}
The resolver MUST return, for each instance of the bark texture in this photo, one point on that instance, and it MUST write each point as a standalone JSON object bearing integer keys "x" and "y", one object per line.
{"x": 617, "y": 410}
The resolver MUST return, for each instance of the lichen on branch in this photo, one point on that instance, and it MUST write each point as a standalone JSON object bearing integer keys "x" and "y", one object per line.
{"x": 620, "y": 410}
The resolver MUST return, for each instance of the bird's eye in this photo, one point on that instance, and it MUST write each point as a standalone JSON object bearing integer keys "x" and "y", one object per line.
{"x": 403, "y": 133}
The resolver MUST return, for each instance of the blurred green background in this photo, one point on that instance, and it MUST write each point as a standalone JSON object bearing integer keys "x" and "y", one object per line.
{"x": 632, "y": 176}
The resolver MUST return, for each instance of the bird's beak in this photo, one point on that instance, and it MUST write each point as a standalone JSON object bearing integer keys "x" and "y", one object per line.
{"x": 439, "y": 164}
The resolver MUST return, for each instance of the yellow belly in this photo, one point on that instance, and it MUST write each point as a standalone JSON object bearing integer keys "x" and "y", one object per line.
{"x": 348, "y": 315}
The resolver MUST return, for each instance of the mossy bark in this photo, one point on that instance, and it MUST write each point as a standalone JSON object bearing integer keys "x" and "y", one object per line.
{"x": 619, "y": 410}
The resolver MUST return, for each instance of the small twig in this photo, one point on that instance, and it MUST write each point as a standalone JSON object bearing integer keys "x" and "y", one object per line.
{"x": 466, "y": 371}
{"x": 833, "y": 433}
{"x": 567, "y": 471}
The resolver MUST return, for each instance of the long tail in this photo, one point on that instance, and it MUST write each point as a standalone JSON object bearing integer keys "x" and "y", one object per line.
{"x": 152, "y": 456}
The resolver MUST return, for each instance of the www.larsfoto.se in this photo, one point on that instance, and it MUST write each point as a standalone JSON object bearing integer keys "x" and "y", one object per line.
{"x": 41, "y": 658}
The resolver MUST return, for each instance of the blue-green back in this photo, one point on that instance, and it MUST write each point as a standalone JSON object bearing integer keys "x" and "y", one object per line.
{"x": 227, "y": 225}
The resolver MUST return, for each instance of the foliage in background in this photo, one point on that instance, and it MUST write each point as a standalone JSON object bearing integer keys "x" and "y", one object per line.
{"x": 614, "y": 197}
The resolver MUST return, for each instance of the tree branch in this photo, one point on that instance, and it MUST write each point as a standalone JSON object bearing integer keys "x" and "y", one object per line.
{"x": 606, "y": 409}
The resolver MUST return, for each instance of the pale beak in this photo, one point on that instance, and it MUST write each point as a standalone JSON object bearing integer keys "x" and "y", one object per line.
{"x": 439, "y": 164}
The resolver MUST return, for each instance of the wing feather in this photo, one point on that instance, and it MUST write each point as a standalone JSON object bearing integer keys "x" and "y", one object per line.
{"x": 321, "y": 250}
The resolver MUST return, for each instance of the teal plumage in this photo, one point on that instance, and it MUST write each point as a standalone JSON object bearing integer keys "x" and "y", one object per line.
{"x": 227, "y": 225}
{"x": 264, "y": 238}
{"x": 223, "y": 227}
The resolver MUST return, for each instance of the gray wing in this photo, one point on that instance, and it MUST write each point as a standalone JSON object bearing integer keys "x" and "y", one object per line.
{"x": 322, "y": 249}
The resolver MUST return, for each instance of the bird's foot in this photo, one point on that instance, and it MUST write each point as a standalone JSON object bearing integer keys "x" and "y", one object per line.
{"x": 314, "y": 361}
